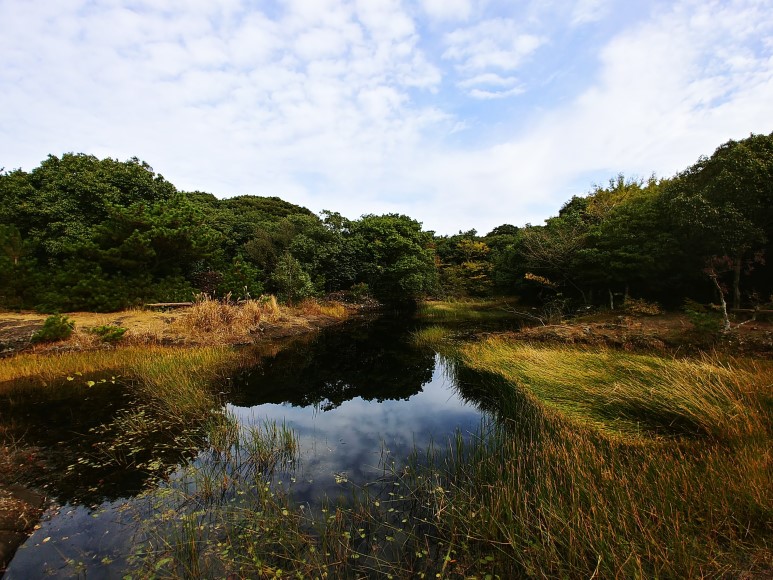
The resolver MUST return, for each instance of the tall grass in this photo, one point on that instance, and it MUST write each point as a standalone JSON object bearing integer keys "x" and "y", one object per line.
{"x": 430, "y": 336}
{"x": 598, "y": 465}
{"x": 173, "y": 393}
{"x": 463, "y": 310}
{"x": 633, "y": 394}
{"x": 612, "y": 465}
{"x": 224, "y": 318}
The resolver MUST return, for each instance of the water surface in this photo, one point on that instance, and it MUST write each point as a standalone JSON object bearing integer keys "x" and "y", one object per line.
{"x": 358, "y": 399}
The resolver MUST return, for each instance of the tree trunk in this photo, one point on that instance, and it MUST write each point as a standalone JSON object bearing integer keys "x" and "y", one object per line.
{"x": 737, "y": 280}
{"x": 611, "y": 299}
{"x": 723, "y": 305}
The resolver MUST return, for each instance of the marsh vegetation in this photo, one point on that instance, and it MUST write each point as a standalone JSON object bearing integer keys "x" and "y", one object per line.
{"x": 570, "y": 461}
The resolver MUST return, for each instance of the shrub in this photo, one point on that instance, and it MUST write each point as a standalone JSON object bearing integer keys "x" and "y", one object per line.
{"x": 108, "y": 332}
{"x": 360, "y": 292}
{"x": 640, "y": 307}
{"x": 704, "y": 320}
{"x": 56, "y": 327}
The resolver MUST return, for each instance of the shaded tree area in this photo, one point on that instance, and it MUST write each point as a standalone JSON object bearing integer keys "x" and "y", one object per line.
{"x": 78, "y": 233}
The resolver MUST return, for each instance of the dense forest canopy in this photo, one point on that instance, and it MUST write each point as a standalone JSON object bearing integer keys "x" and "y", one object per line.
{"x": 81, "y": 233}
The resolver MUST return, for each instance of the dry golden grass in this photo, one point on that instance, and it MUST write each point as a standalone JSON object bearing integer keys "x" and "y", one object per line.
{"x": 225, "y": 320}
{"x": 206, "y": 322}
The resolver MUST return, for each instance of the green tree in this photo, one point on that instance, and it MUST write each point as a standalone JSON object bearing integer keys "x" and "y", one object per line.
{"x": 723, "y": 205}
{"x": 396, "y": 256}
{"x": 291, "y": 282}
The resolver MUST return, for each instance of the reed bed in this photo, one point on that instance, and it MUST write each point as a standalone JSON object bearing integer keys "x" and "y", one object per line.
{"x": 463, "y": 310}
{"x": 607, "y": 464}
{"x": 224, "y": 318}
{"x": 596, "y": 464}
{"x": 633, "y": 394}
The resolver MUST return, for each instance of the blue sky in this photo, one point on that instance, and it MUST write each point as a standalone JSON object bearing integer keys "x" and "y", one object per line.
{"x": 460, "y": 114}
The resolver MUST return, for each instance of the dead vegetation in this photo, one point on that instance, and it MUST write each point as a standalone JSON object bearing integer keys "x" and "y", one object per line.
{"x": 207, "y": 321}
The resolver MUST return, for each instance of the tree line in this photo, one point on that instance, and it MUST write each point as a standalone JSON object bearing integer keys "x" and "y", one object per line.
{"x": 82, "y": 233}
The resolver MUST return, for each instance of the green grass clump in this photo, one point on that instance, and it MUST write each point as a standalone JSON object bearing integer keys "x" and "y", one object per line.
{"x": 463, "y": 310}
{"x": 430, "y": 336}
{"x": 56, "y": 327}
{"x": 108, "y": 333}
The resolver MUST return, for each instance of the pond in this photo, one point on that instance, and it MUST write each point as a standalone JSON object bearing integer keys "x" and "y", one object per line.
{"x": 356, "y": 398}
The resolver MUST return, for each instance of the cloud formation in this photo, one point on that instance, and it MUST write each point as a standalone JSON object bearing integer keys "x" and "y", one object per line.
{"x": 460, "y": 114}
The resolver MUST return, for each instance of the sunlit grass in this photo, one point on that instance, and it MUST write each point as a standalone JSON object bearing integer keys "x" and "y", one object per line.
{"x": 461, "y": 310}
{"x": 623, "y": 392}
{"x": 152, "y": 365}
{"x": 609, "y": 464}
{"x": 430, "y": 336}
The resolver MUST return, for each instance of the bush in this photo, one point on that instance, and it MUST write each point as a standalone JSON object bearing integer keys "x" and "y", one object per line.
{"x": 360, "y": 292}
{"x": 703, "y": 319}
{"x": 56, "y": 327}
{"x": 108, "y": 332}
{"x": 640, "y": 307}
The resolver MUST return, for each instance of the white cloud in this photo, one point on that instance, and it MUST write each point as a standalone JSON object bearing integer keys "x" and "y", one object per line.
{"x": 488, "y": 95}
{"x": 496, "y": 43}
{"x": 355, "y": 105}
{"x": 447, "y": 9}
{"x": 491, "y": 86}
{"x": 587, "y": 11}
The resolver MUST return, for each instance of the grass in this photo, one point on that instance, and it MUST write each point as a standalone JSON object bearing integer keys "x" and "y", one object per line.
{"x": 611, "y": 465}
{"x": 173, "y": 392}
{"x": 599, "y": 464}
{"x": 619, "y": 392}
{"x": 430, "y": 336}
{"x": 463, "y": 310}
{"x": 206, "y": 322}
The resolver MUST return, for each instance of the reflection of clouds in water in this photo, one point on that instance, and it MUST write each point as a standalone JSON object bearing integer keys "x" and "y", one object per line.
{"x": 353, "y": 437}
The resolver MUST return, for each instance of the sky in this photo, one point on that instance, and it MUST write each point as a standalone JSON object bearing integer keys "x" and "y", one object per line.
{"x": 461, "y": 114}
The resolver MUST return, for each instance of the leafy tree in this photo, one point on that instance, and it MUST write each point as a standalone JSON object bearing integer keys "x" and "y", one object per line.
{"x": 290, "y": 280}
{"x": 723, "y": 205}
{"x": 465, "y": 269}
{"x": 396, "y": 257}
{"x": 552, "y": 251}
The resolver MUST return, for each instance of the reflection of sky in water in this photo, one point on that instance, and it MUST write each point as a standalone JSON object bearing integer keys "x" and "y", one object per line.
{"x": 77, "y": 542}
{"x": 353, "y": 437}
{"x": 357, "y": 438}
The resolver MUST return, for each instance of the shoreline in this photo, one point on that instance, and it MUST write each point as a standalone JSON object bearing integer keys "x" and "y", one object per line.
{"x": 21, "y": 506}
{"x": 172, "y": 327}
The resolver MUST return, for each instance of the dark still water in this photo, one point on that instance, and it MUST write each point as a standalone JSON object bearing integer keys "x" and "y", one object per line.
{"x": 357, "y": 398}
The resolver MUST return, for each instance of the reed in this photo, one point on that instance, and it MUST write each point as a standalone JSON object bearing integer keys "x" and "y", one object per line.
{"x": 607, "y": 464}
{"x": 464, "y": 310}
{"x": 433, "y": 336}
{"x": 630, "y": 394}
{"x": 223, "y": 319}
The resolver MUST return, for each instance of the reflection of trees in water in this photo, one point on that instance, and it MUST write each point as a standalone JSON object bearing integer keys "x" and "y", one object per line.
{"x": 374, "y": 362}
